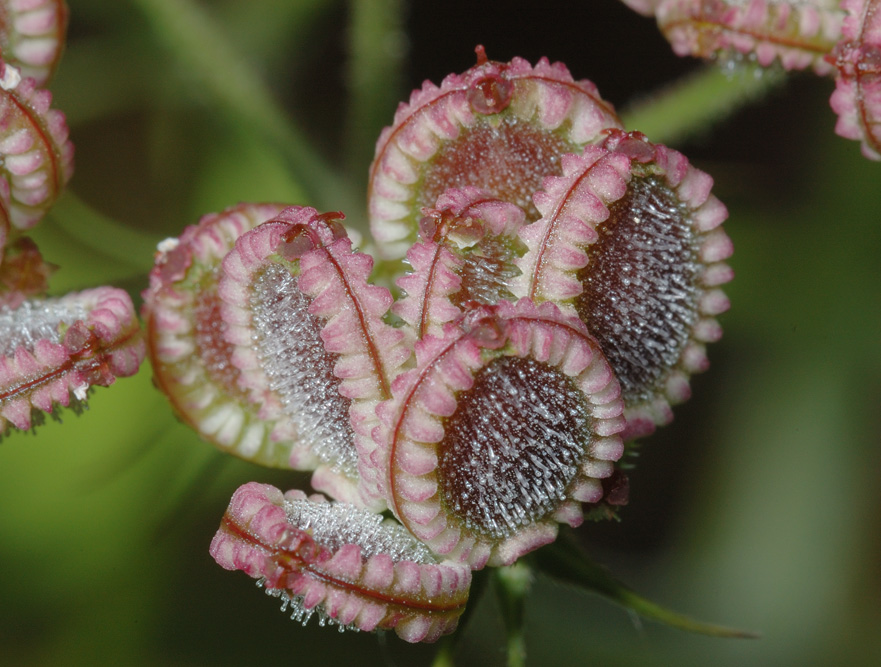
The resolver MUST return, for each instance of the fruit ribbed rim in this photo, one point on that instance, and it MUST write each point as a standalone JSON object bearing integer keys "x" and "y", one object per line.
{"x": 798, "y": 35}
{"x": 412, "y": 428}
{"x": 339, "y": 566}
{"x": 462, "y": 217}
{"x": 575, "y": 204}
{"x": 857, "y": 96}
{"x": 186, "y": 271}
{"x": 545, "y": 95}
{"x": 333, "y": 277}
{"x": 37, "y": 153}
{"x": 81, "y": 340}
{"x": 32, "y": 36}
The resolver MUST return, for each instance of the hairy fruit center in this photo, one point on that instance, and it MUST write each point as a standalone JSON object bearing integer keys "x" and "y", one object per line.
{"x": 513, "y": 446}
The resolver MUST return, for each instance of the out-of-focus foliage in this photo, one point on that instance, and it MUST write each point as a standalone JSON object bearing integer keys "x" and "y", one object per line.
{"x": 758, "y": 507}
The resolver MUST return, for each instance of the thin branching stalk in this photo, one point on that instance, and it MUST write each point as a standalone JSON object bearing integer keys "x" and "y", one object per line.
{"x": 200, "y": 47}
{"x": 377, "y": 47}
{"x": 693, "y": 104}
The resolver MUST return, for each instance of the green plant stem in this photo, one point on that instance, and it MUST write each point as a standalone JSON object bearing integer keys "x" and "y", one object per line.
{"x": 444, "y": 655}
{"x": 121, "y": 62}
{"x": 690, "y": 106}
{"x": 377, "y": 46}
{"x": 199, "y": 47}
{"x": 278, "y": 22}
{"x": 104, "y": 235}
{"x": 512, "y": 585}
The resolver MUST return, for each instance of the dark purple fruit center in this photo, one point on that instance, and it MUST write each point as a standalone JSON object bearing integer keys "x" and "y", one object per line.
{"x": 513, "y": 446}
{"x": 211, "y": 347}
{"x": 509, "y": 159}
{"x": 640, "y": 292}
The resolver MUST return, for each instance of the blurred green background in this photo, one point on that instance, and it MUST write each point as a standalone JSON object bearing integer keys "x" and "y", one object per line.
{"x": 759, "y": 507}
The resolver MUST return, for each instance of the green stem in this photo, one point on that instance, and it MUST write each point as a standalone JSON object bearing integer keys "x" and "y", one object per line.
{"x": 124, "y": 66}
{"x": 512, "y": 585}
{"x": 444, "y": 655}
{"x": 278, "y": 22}
{"x": 199, "y": 47}
{"x": 104, "y": 235}
{"x": 377, "y": 46}
{"x": 693, "y": 104}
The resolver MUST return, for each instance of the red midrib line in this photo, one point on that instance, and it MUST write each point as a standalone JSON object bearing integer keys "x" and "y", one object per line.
{"x": 399, "y": 422}
{"x": 37, "y": 122}
{"x": 380, "y": 154}
{"x": 393, "y": 445}
{"x": 372, "y": 350}
{"x": 76, "y": 358}
{"x": 429, "y": 283}
{"x": 701, "y": 23}
{"x": 243, "y": 534}
{"x": 552, "y": 225}
{"x": 868, "y": 11}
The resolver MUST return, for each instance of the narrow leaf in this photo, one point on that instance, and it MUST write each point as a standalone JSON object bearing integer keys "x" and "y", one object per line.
{"x": 566, "y": 562}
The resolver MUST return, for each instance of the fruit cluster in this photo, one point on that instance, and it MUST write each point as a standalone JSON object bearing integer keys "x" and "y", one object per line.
{"x": 554, "y": 281}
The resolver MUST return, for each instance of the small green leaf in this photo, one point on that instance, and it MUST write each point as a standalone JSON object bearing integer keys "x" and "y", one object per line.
{"x": 566, "y": 562}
